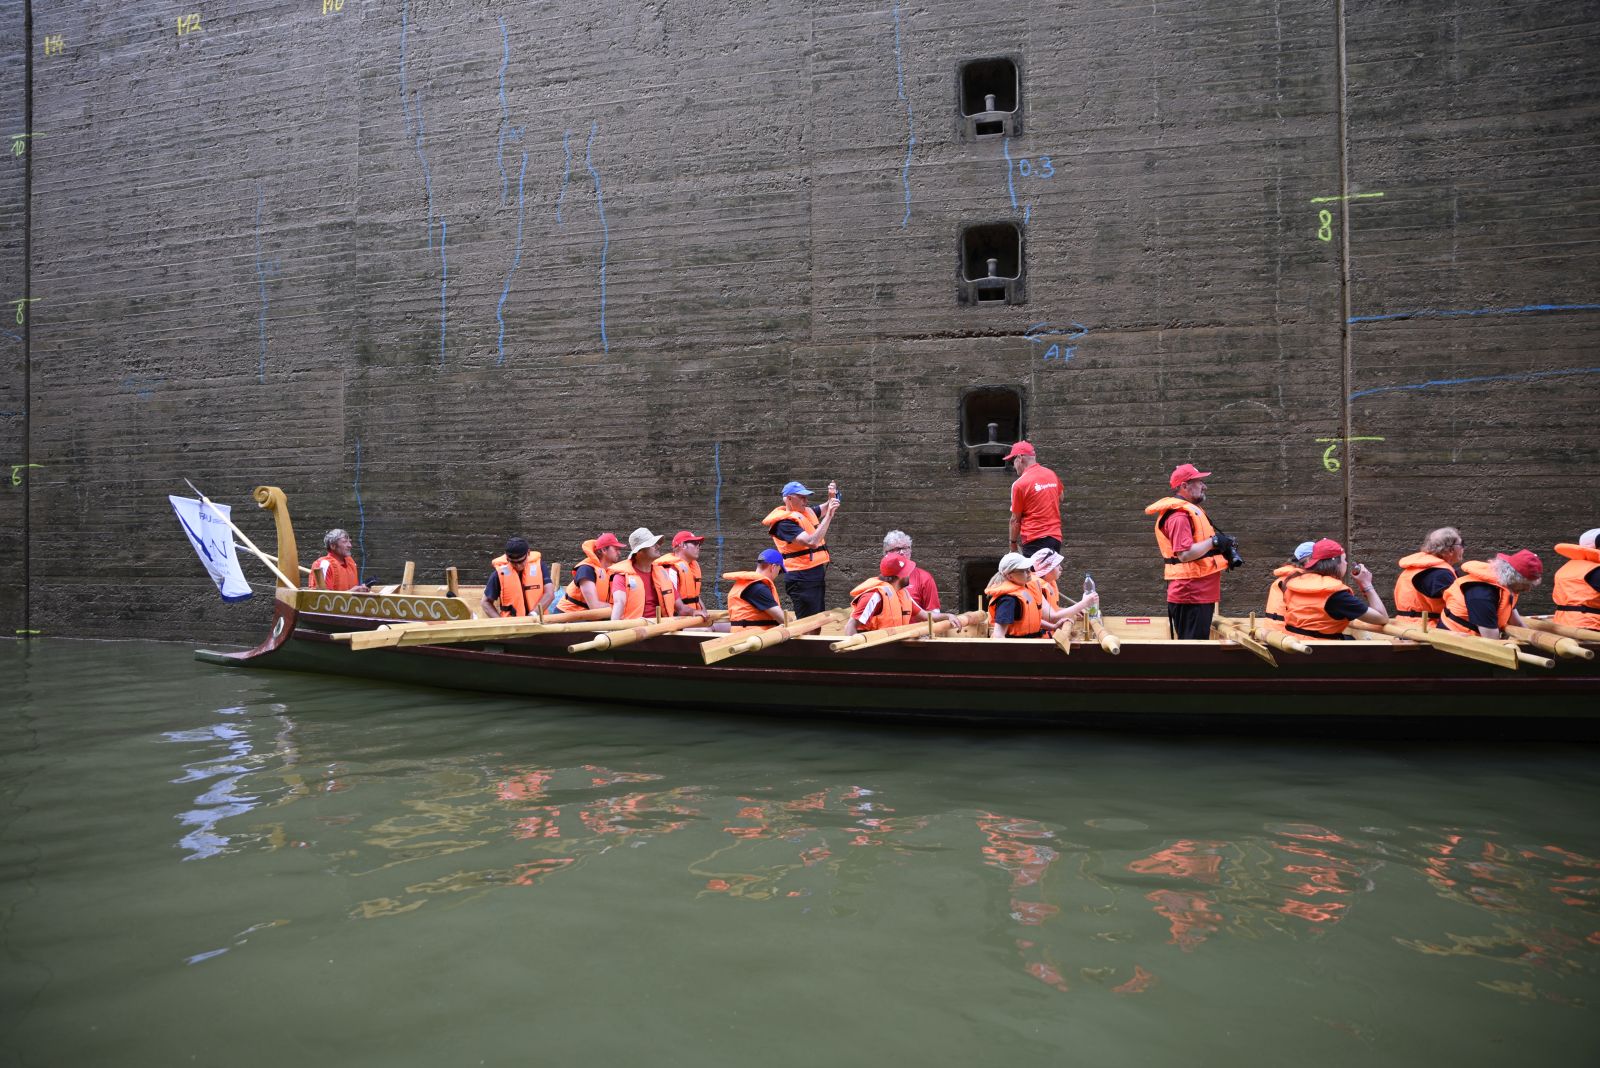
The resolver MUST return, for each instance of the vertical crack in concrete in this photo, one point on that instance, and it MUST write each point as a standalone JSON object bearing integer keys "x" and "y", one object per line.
{"x": 516, "y": 261}
{"x": 261, "y": 282}
{"x": 911, "y": 133}
{"x": 361, "y": 512}
{"x": 566, "y": 174}
{"x": 716, "y": 513}
{"x": 505, "y": 113}
{"x": 605, "y": 229}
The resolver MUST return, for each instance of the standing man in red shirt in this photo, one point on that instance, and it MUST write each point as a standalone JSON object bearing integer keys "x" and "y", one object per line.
{"x": 1194, "y": 552}
{"x": 1035, "y": 503}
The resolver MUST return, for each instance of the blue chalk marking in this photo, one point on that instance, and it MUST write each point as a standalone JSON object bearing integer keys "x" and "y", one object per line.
{"x": 911, "y": 133}
{"x": 1521, "y": 376}
{"x": 1011, "y": 185}
{"x": 1433, "y": 313}
{"x": 361, "y": 535}
{"x": 414, "y": 119}
{"x": 566, "y": 174}
{"x": 1040, "y": 333}
{"x": 11, "y": 335}
{"x": 507, "y": 132}
{"x": 605, "y": 249}
{"x": 499, "y": 310}
{"x": 1027, "y": 212}
{"x": 716, "y": 510}
{"x": 261, "y": 282}
{"x": 444, "y": 281}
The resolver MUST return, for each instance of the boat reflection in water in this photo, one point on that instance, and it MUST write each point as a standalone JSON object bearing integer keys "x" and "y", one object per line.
{"x": 1098, "y": 904}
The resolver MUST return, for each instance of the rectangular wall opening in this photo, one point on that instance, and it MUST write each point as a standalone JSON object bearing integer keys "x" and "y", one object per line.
{"x": 991, "y": 420}
{"x": 988, "y": 86}
{"x": 975, "y": 576}
{"x": 991, "y": 250}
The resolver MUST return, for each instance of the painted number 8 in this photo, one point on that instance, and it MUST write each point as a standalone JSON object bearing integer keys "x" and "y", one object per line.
{"x": 1325, "y": 231}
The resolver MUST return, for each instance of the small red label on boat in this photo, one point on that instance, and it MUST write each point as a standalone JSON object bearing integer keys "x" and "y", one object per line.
{"x": 1137, "y": 619}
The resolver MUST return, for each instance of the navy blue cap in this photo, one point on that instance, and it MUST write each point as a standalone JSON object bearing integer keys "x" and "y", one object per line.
{"x": 772, "y": 556}
{"x": 796, "y": 489}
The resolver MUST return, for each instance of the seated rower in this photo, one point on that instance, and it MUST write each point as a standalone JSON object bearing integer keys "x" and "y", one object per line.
{"x": 640, "y": 589}
{"x": 1280, "y": 575}
{"x": 1576, "y": 587}
{"x": 591, "y": 579}
{"x": 1047, "y": 576}
{"x": 753, "y": 601}
{"x": 1483, "y": 600}
{"x": 336, "y": 569}
{"x": 1318, "y": 604}
{"x": 885, "y": 601}
{"x": 1047, "y": 573}
{"x": 519, "y": 583}
{"x": 1017, "y": 607}
{"x": 682, "y": 568}
{"x": 924, "y": 590}
{"x": 1426, "y": 574}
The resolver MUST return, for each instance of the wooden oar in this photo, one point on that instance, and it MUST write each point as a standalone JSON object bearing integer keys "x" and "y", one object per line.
{"x": 1563, "y": 647}
{"x": 1577, "y": 634}
{"x": 1062, "y": 636}
{"x": 1107, "y": 640}
{"x": 581, "y": 616}
{"x": 1230, "y": 630}
{"x": 471, "y": 630}
{"x": 613, "y": 639}
{"x": 1473, "y": 647}
{"x": 908, "y": 632}
{"x": 752, "y": 641}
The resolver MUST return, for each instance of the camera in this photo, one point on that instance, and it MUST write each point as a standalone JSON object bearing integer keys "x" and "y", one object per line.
{"x": 1225, "y": 547}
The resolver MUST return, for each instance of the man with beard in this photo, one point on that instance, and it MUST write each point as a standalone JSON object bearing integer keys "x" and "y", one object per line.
{"x": 1194, "y": 552}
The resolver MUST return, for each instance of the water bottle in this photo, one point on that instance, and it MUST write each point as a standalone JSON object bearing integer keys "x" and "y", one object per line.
{"x": 1088, "y": 588}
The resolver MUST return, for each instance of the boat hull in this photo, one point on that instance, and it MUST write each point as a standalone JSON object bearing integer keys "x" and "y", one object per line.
{"x": 1166, "y": 683}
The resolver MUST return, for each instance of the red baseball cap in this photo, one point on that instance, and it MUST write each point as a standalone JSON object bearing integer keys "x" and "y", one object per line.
{"x": 1188, "y": 473}
{"x": 1021, "y": 448}
{"x": 1325, "y": 549}
{"x": 685, "y": 535}
{"x": 1524, "y": 562}
{"x": 895, "y": 566}
{"x": 608, "y": 540}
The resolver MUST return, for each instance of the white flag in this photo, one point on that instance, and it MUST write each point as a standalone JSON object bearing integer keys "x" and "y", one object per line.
{"x": 212, "y": 538}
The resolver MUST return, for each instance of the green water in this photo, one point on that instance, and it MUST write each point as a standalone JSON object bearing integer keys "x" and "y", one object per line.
{"x": 204, "y": 866}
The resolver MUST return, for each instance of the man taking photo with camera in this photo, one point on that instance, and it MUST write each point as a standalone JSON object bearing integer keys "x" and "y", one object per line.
{"x": 1195, "y": 553}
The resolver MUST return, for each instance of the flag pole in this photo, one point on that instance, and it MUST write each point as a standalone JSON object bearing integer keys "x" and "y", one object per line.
{"x": 248, "y": 544}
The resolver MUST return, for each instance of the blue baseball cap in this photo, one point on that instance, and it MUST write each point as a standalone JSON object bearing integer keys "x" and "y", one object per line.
{"x": 772, "y": 556}
{"x": 1303, "y": 550}
{"x": 796, "y": 489}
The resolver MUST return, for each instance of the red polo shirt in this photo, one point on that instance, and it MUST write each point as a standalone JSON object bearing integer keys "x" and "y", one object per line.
{"x": 1036, "y": 499}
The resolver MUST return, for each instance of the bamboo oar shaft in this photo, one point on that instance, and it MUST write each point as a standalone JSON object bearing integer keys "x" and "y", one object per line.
{"x": 271, "y": 562}
{"x": 1577, "y": 634}
{"x": 1234, "y": 632}
{"x": 269, "y": 556}
{"x": 721, "y": 648}
{"x": 1545, "y": 642}
{"x": 1107, "y": 640}
{"x": 613, "y": 639}
{"x": 907, "y": 632}
{"x": 1472, "y": 646}
{"x": 472, "y": 630}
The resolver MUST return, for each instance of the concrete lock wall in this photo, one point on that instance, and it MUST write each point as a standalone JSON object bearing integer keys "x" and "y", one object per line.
{"x": 447, "y": 270}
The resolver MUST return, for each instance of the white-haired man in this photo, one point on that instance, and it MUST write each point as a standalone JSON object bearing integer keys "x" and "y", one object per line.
{"x": 336, "y": 569}
{"x": 919, "y": 583}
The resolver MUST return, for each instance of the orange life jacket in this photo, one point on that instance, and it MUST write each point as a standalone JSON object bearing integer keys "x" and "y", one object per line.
{"x": 896, "y": 608}
{"x": 1030, "y": 623}
{"x": 1577, "y": 602}
{"x": 1304, "y": 596}
{"x": 1050, "y": 591}
{"x": 519, "y": 594}
{"x": 797, "y": 556}
{"x": 742, "y": 615}
{"x": 1177, "y": 569}
{"x": 688, "y": 572}
{"x": 572, "y": 599}
{"x": 1478, "y": 573}
{"x": 1280, "y": 575}
{"x": 633, "y": 605}
{"x": 334, "y": 572}
{"x": 1410, "y": 601}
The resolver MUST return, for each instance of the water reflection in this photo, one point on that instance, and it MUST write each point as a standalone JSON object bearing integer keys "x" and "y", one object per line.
{"x": 1105, "y": 903}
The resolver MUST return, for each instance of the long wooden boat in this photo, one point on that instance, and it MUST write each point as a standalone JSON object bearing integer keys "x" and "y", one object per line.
{"x": 1378, "y": 681}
